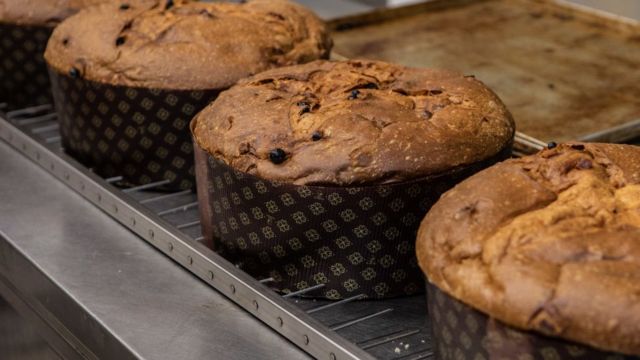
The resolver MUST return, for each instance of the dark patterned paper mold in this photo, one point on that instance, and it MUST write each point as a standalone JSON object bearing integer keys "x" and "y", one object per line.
{"x": 23, "y": 73}
{"x": 354, "y": 239}
{"x": 138, "y": 133}
{"x": 461, "y": 332}
{"x": 25, "y": 28}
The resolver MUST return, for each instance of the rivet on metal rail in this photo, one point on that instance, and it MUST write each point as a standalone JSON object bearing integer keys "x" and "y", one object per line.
{"x": 190, "y": 260}
{"x": 306, "y": 340}
{"x": 170, "y": 247}
{"x": 255, "y": 304}
{"x": 332, "y": 356}
{"x": 280, "y": 322}
{"x": 232, "y": 288}
{"x": 151, "y": 234}
{"x": 211, "y": 275}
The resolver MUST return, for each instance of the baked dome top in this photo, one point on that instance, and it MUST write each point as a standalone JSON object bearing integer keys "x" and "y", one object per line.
{"x": 549, "y": 242}
{"x": 177, "y": 45}
{"x": 354, "y": 122}
{"x": 41, "y": 12}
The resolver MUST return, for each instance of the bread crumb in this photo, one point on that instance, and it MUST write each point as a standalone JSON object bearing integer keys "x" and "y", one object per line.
{"x": 406, "y": 346}
{"x": 397, "y": 350}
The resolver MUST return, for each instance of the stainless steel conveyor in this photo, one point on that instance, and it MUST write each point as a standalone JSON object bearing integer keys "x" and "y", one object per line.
{"x": 95, "y": 290}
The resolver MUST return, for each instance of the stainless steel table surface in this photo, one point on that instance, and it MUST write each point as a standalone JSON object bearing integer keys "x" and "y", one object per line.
{"x": 117, "y": 295}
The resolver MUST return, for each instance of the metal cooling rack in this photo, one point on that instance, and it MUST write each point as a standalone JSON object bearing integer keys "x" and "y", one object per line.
{"x": 346, "y": 329}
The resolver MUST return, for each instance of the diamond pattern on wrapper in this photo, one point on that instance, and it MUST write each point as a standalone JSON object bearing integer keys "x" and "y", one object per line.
{"x": 24, "y": 80}
{"x": 461, "y": 332}
{"x": 355, "y": 240}
{"x": 140, "y": 134}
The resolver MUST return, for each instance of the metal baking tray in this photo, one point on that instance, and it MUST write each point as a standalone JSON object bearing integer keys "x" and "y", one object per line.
{"x": 347, "y": 329}
{"x": 566, "y": 72}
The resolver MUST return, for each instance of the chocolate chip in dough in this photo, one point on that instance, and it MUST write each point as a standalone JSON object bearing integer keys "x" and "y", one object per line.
{"x": 305, "y": 107}
{"x": 74, "y": 72}
{"x": 277, "y": 156}
{"x": 120, "y": 40}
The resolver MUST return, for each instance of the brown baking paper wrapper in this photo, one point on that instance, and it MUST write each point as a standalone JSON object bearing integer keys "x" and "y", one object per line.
{"x": 24, "y": 80}
{"x": 461, "y": 332}
{"x": 355, "y": 240}
{"x": 138, "y": 133}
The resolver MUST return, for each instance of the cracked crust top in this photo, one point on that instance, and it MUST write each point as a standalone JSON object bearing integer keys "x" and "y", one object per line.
{"x": 354, "y": 122}
{"x": 549, "y": 242}
{"x": 185, "y": 45}
{"x": 41, "y": 12}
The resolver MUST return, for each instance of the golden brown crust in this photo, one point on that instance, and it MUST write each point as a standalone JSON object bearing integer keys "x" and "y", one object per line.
{"x": 549, "y": 242}
{"x": 41, "y": 12}
{"x": 372, "y": 122}
{"x": 187, "y": 45}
